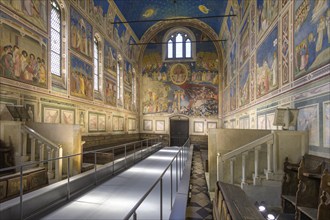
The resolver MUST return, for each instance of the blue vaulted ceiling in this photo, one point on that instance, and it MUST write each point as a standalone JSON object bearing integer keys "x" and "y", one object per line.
{"x": 142, "y": 10}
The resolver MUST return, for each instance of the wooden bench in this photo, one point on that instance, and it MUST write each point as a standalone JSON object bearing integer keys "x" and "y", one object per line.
{"x": 231, "y": 203}
{"x": 306, "y": 180}
{"x": 33, "y": 179}
{"x": 101, "y": 158}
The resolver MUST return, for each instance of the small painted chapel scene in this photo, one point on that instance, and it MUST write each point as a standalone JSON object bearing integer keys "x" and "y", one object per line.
{"x": 165, "y": 109}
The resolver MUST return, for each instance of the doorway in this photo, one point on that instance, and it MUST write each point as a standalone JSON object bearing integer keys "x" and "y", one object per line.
{"x": 179, "y": 130}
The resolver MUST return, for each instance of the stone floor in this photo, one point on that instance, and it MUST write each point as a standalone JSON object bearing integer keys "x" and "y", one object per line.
{"x": 199, "y": 206}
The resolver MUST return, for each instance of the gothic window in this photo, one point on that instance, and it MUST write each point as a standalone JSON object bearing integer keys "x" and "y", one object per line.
{"x": 179, "y": 44}
{"x": 120, "y": 83}
{"x": 55, "y": 39}
{"x": 96, "y": 64}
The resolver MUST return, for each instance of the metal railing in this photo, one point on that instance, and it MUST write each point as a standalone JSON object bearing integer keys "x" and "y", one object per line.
{"x": 181, "y": 158}
{"x": 139, "y": 150}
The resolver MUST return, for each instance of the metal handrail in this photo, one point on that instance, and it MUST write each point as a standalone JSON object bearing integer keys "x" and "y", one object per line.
{"x": 68, "y": 166}
{"x": 71, "y": 155}
{"x": 133, "y": 210}
{"x": 40, "y": 137}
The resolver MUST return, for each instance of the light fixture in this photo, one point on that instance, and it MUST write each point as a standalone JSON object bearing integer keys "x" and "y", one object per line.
{"x": 262, "y": 208}
{"x": 270, "y": 217}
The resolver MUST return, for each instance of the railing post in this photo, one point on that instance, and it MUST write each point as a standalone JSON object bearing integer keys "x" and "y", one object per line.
{"x": 219, "y": 167}
{"x": 256, "y": 178}
{"x": 21, "y": 192}
{"x": 24, "y": 146}
{"x": 176, "y": 173}
{"x": 50, "y": 163}
{"x": 33, "y": 149}
{"x": 171, "y": 178}
{"x": 95, "y": 168}
{"x": 125, "y": 156}
{"x": 41, "y": 154}
{"x": 59, "y": 163}
{"x": 161, "y": 198}
{"x": 134, "y": 154}
{"x": 68, "y": 183}
{"x": 232, "y": 164}
{"x": 275, "y": 148}
{"x": 269, "y": 160}
{"x": 113, "y": 160}
{"x": 243, "y": 169}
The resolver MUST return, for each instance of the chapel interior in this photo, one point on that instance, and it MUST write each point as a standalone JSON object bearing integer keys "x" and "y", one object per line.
{"x": 240, "y": 88}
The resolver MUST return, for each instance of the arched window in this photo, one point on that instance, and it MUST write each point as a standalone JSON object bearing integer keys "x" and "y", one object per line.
{"x": 96, "y": 64}
{"x": 179, "y": 44}
{"x": 120, "y": 83}
{"x": 134, "y": 89}
{"x": 55, "y": 39}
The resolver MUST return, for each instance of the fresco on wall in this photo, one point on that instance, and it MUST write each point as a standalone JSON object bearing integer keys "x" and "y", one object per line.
{"x": 23, "y": 56}
{"x": 244, "y": 88}
{"x": 311, "y": 36}
{"x": 252, "y": 77}
{"x": 308, "y": 120}
{"x": 121, "y": 34}
{"x": 34, "y": 12}
{"x": 267, "y": 74}
{"x": 128, "y": 73}
{"x": 189, "y": 88}
{"x": 244, "y": 5}
{"x": 81, "y": 78}
{"x": 233, "y": 88}
{"x": 127, "y": 100}
{"x": 285, "y": 48}
{"x": 81, "y": 39}
{"x": 232, "y": 24}
{"x": 110, "y": 90}
{"x": 110, "y": 58}
{"x": 267, "y": 11}
{"x": 232, "y": 67}
{"x": 98, "y": 10}
{"x": 253, "y": 24}
{"x": 226, "y": 101}
{"x": 225, "y": 75}
{"x": 326, "y": 124}
{"x": 244, "y": 43}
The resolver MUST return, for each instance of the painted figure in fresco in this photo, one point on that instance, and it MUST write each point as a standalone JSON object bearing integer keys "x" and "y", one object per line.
{"x": 17, "y": 4}
{"x": 42, "y": 72}
{"x": 28, "y": 7}
{"x": 82, "y": 84}
{"x": 17, "y": 62}
{"x": 274, "y": 69}
{"x": 320, "y": 31}
{"x": 303, "y": 56}
{"x": 327, "y": 24}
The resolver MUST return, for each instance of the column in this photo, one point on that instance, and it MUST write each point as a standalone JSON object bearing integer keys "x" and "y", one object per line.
{"x": 33, "y": 149}
{"x": 50, "y": 164}
{"x": 41, "y": 154}
{"x": 243, "y": 169}
{"x": 232, "y": 167}
{"x": 269, "y": 171}
{"x": 256, "y": 179}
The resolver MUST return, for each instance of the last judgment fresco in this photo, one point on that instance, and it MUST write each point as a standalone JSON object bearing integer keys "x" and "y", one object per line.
{"x": 189, "y": 88}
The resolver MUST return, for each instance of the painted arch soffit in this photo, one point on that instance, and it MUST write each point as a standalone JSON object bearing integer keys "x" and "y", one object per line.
{"x": 162, "y": 25}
